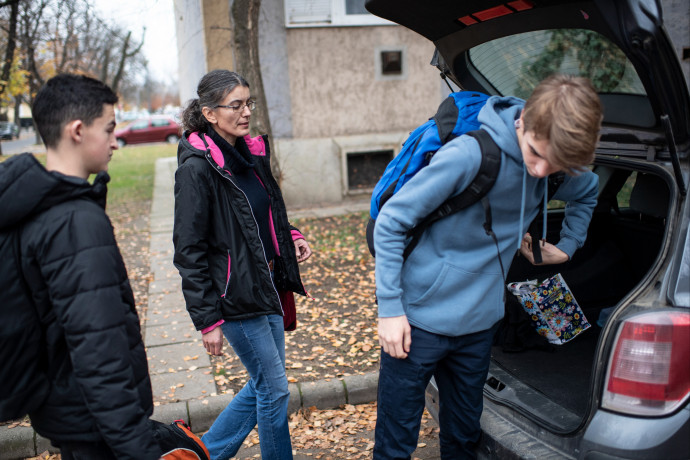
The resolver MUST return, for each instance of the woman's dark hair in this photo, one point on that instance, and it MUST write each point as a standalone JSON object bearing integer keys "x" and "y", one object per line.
{"x": 212, "y": 89}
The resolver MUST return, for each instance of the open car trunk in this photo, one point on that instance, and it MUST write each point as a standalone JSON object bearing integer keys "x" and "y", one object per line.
{"x": 553, "y": 382}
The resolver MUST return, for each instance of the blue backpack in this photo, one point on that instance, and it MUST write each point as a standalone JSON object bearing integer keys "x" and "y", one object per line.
{"x": 457, "y": 115}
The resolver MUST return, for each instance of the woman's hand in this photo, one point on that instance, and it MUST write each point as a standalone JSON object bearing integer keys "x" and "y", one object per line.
{"x": 302, "y": 250}
{"x": 213, "y": 341}
{"x": 550, "y": 254}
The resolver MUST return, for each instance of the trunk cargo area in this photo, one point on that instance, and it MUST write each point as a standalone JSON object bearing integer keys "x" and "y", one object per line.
{"x": 624, "y": 240}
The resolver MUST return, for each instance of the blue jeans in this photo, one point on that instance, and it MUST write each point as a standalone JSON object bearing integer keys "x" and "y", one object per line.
{"x": 460, "y": 365}
{"x": 260, "y": 345}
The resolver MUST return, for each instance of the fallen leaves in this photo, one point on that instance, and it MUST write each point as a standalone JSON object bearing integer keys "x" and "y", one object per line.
{"x": 336, "y": 327}
{"x": 46, "y": 456}
{"x": 336, "y": 331}
{"x": 345, "y": 432}
{"x": 131, "y": 225}
{"x": 14, "y": 424}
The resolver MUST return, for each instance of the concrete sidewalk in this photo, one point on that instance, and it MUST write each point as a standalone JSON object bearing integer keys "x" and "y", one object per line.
{"x": 179, "y": 366}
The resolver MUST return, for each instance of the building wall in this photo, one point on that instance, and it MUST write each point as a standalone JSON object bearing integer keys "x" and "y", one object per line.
{"x": 218, "y": 35}
{"x": 314, "y": 171}
{"x": 191, "y": 47}
{"x": 676, "y": 15}
{"x": 334, "y": 86}
{"x": 273, "y": 55}
{"x": 339, "y": 106}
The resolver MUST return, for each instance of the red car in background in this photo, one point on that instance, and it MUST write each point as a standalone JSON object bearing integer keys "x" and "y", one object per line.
{"x": 154, "y": 129}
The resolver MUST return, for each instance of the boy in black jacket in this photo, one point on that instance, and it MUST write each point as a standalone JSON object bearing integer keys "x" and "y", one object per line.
{"x": 100, "y": 393}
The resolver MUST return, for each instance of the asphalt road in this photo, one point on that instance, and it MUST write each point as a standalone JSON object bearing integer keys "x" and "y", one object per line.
{"x": 25, "y": 143}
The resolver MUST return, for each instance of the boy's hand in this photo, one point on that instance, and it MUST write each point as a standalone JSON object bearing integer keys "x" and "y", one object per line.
{"x": 213, "y": 341}
{"x": 550, "y": 254}
{"x": 395, "y": 336}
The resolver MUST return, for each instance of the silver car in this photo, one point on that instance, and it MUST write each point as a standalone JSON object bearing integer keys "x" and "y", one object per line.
{"x": 8, "y": 130}
{"x": 621, "y": 388}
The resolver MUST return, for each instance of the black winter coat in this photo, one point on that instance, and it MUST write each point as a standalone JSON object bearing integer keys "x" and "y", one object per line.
{"x": 100, "y": 386}
{"x": 218, "y": 250}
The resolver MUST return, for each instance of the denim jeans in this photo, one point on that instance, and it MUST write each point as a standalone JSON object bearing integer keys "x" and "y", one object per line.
{"x": 260, "y": 345}
{"x": 460, "y": 365}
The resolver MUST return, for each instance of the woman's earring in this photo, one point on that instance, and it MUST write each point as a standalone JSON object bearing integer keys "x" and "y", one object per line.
{"x": 518, "y": 124}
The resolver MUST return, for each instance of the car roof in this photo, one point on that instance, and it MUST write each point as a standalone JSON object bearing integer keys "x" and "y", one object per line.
{"x": 635, "y": 26}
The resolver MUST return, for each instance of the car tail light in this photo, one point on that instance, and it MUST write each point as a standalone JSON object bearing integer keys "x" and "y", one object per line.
{"x": 649, "y": 373}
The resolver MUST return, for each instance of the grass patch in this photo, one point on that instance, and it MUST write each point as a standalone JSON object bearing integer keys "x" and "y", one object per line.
{"x": 132, "y": 171}
{"x": 41, "y": 157}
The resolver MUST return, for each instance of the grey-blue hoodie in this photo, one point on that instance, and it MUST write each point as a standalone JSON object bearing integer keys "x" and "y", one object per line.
{"x": 451, "y": 284}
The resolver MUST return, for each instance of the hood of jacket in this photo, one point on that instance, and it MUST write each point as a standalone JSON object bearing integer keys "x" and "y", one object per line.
{"x": 192, "y": 145}
{"x": 27, "y": 189}
{"x": 498, "y": 117}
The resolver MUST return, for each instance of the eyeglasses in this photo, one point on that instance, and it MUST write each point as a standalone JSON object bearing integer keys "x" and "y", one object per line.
{"x": 240, "y": 107}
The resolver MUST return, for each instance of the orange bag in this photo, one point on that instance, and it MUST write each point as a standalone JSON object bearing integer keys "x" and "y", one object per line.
{"x": 178, "y": 442}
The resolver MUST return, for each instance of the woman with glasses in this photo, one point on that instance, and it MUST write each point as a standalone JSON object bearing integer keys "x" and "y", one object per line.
{"x": 237, "y": 255}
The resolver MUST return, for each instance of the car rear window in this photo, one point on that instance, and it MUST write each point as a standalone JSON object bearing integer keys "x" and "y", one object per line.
{"x": 514, "y": 65}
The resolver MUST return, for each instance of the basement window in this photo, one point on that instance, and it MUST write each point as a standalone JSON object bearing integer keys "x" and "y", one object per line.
{"x": 364, "y": 169}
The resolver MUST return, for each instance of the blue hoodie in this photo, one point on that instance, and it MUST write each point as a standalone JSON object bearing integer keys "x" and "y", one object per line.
{"x": 451, "y": 284}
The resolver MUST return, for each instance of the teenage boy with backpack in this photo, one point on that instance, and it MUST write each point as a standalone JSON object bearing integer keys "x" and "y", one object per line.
{"x": 439, "y": 307}
{"x": 99, "y": 394}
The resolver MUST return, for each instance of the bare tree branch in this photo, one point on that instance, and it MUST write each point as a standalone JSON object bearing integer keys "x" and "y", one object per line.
{"x": 124, "y": 55}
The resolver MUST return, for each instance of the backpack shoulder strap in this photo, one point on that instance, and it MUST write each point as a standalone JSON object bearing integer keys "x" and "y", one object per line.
{"x": 446, "y": 117}
{"x": 476, "y": 191}
{"x": 483, "y": 181}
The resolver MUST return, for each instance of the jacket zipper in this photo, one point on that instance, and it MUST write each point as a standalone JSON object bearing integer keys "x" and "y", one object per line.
{"x": 277, "y": 223}
{"x": 263, "y": 251}
{"x": 227, "y": 281}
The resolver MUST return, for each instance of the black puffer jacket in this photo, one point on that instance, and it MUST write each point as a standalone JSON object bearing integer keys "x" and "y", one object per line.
{"x": 218, "y": 250}
{"x": 100, "y": 387}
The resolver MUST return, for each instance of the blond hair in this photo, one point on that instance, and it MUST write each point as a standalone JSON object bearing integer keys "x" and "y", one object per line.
{"x": 566, "y": 111}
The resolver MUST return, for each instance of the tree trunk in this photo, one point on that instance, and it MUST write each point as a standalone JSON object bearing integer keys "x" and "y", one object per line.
{"x": 106, "y": 64}
{"x": 121, "y": 65}
{"x": 9, "y": 51}
{"x": 11, "y": 46}
{"x": 17, "y": 109}
{"x": 245, "y": 18}
{"x": 123, "y": 60}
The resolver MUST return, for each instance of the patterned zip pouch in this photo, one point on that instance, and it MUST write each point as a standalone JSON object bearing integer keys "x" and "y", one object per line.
{"x": 552, "y": 308}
